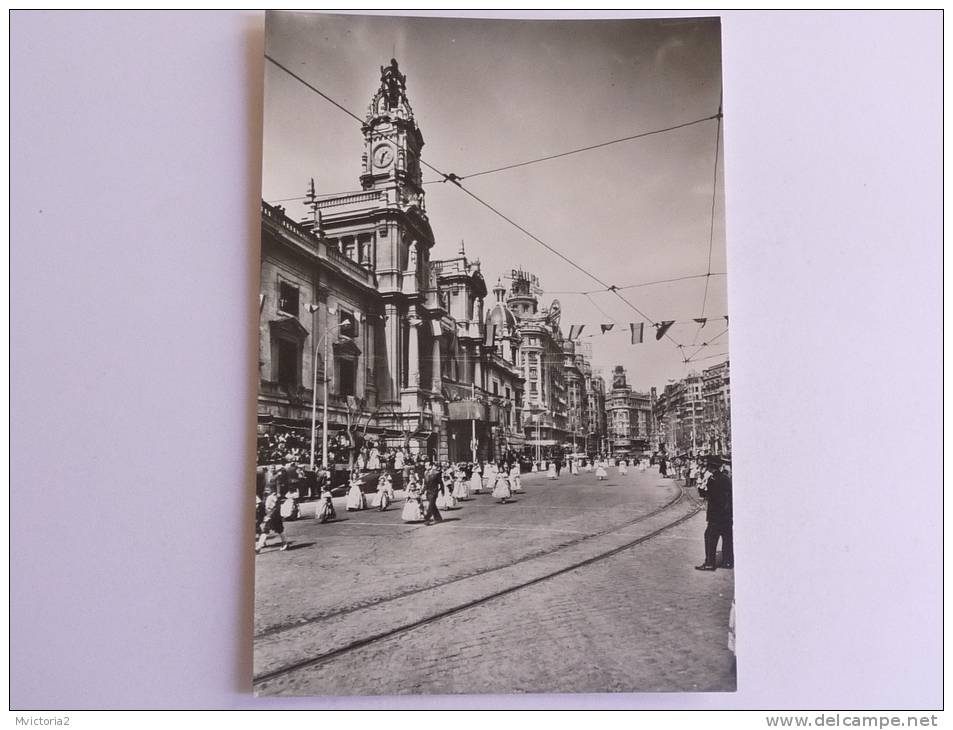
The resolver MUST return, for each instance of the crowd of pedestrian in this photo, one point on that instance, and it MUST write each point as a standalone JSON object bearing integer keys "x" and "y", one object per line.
{"x": 430, "y": 486}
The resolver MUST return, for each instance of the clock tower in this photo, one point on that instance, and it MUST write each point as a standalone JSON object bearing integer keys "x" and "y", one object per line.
{"x": 392, "y": 141}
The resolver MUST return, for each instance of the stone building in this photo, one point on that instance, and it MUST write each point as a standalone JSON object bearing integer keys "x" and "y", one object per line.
{"x": 576, "y": 400}
{"x": 545, "y": 402}
{"x": 679, "y": 414}
{"x": 481, "y": 383}
{"x": 384, "y": 229}
{"x": 315, "y": 310}
{"x": 351, "y": 297}
{"x": 503, "y": 376}
{"x": 356, "y": 275}
{"x": 629, "y": 418}
{"x": 596, "y": 411}
{"x": 716, "y": 421}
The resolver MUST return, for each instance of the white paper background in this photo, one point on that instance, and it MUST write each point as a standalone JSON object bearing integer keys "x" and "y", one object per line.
{"x": 134, "y": 201}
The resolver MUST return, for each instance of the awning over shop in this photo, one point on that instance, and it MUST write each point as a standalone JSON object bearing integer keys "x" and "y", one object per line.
{"x": 466, "y": 410}
{"x": 541, "y": 442}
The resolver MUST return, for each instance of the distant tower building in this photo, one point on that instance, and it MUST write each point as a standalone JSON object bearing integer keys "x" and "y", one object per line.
{"x": 629, "y": 417}
{"x": 545, "y": 399}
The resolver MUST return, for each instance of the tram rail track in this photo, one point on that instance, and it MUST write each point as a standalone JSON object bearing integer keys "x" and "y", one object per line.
{"x": 272, "y": 630}
{"x": 354, "y": 645}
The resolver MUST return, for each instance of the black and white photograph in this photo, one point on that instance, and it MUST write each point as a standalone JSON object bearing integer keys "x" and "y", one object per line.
{"x": 493, "y": 417}
{"x": 379, "y": 360}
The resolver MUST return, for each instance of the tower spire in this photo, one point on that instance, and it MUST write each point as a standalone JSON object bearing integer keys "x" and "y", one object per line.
{"x": 392, "y": 140}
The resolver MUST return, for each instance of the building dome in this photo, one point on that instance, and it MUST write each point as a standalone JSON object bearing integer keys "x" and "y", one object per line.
{"x": 499, "y": 315}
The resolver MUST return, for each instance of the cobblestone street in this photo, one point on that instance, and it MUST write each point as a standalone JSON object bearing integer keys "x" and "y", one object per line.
{"x": 576, "y": 586}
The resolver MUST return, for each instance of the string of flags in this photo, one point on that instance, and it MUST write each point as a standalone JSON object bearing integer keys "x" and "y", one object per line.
{"x": 637, "y": 329}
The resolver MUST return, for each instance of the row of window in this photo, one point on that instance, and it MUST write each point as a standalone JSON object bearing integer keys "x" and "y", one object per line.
{"x": 289, "y": 302}
{"x": 288, "y": 367}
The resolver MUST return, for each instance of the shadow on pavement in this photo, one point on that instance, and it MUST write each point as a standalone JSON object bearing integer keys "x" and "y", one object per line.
{"x": 447, "y": 519}
{"x": 299, "y": 546}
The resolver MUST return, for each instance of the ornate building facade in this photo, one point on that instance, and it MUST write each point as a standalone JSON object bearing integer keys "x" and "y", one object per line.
{"x": 351, "y": 299}
{"x": 716, "y": 421}
{"x": 629, "y": 418}
{"x": 596, "y": 411}
{"x": 679, "y": 414}
{"x": 576, "y": 400}
{"x": 545, "y": 403}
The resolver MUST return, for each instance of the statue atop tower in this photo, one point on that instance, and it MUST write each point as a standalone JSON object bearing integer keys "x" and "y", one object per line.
{"x": 393, "y": 84}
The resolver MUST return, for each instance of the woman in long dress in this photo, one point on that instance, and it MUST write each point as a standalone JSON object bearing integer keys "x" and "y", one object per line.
{"x": 489, "y": 475}
{"x": 325, "y": 511}
{"x": 374, "y": 459}
{"x": 383, "y": 492}
{"x": 551, "y": 470}
{"x": 501, "y": 489}
{"x": 476, "y": 480}
{"x": 445, "y": 498}
{"x": 601, "y": 470}
{"x": 642, "y": 464}
{"x": 355, "y": 497}
{"x": 413, "y": 507}
{"x": 573, "y": 467}
{"x": 623, "y": 467}
{"x": 589, "y": 466}
{"x": 289, "y": 507}
{"x": 516, "y": 484}
{"x": 272, "y": 524}
{"x": 461, "y": 490}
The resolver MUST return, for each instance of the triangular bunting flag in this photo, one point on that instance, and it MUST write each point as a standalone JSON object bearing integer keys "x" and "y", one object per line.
{"x": 575, "y": 330}
{"x": 663, "y": 328}
{"x": 636, "y": 329}
{"x": 701, "y": 320}
{"x": 606, "y": 327}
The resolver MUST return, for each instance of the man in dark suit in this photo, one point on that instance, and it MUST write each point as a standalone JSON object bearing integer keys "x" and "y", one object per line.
{"x": 720, "y": 522}
{"x": 432, "y": 483}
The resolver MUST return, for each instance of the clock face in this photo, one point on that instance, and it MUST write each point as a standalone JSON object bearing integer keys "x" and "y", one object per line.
{"x": 383, "y": 156}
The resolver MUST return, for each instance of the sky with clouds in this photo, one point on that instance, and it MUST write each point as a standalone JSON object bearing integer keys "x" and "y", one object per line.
{"x": 488, "y": 93}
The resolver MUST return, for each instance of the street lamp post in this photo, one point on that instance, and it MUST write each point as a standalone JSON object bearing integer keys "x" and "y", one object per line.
{"x": 314, "y": 389}
{"x": 539, "y": 416}
{"x": 473, "y": 439}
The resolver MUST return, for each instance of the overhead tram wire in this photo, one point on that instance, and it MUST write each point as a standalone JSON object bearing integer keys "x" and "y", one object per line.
{"x": 316, "y": 90}
{"x": 581, "y": 149}
{"x": 608, "y": 287}
{"x": 708, "y": 343}
{"x": 451, "y": 177}
{"x": 602, "y": 312}
{"x": 708, "y": 357}
{"x": 635, "y": 286}
{"x": 714, "y": 197}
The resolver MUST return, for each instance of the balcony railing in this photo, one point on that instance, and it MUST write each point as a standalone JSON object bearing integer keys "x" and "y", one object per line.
{"x": 276, "y": 214}
{"x": 352, "y": 199}
{"x": 349, "y": 266}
